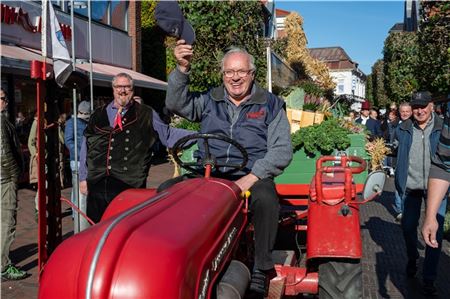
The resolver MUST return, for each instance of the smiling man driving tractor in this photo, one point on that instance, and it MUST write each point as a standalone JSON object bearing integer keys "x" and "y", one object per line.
{"x": 240, "y": 109}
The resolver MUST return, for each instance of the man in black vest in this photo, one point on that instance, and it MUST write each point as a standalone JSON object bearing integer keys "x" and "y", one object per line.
{"x": 117, "y": 147}
{"x": 255, "y": 118}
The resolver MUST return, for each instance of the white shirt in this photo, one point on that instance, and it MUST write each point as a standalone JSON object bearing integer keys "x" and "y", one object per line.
{"x": 364, "y": 120}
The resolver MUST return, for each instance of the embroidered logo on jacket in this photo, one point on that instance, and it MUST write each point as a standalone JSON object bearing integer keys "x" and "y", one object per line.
{"x": 257, "y": 114}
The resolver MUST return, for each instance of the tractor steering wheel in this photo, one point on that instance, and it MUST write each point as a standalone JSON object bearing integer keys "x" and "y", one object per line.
{"x": 209, "y": 162}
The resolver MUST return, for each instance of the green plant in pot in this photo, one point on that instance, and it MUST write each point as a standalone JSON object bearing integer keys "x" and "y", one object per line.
{"x": 323, "y": 138}
{"x": 311, "y": 103}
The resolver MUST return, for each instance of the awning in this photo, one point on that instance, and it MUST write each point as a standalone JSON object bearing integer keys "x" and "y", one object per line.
{"x": 105, "y": 73}
{"x": 20, "y": 57}
{"x": 17, "y": 57}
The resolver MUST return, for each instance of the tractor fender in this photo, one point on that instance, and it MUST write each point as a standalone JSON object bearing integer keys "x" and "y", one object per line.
{"x": 332, "y": 234}
{"x": 172, "y": 245}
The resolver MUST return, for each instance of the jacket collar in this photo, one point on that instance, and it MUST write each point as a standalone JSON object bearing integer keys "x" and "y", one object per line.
{"x": 259, "y": 95}
{"x": 407, "y": 125}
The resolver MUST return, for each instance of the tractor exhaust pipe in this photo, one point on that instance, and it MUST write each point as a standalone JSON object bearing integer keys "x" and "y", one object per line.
{"x": 234, "y": 282}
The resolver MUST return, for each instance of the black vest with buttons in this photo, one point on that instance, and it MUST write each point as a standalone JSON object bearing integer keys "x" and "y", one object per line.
{"x": 123, "y": 154}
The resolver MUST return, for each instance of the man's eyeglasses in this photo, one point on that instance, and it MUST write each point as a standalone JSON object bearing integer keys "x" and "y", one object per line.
{"x": 240, "y": 73}
{"x": 119, "y": 87}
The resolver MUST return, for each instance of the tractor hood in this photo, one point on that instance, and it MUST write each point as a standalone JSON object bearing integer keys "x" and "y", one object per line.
{"x": 171, "y": 245}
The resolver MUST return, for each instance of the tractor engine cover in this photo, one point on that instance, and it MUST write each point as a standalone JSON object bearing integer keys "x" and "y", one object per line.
{"x": 173, "y": 245}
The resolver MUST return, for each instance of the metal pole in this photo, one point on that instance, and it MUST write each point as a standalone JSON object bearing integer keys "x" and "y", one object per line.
{"x": 90, "y": 56}
{"x": 269, "y": 67}
{"x": 82, "y": 223}
{"x": 41, "y": 190}
{"x": 75, "y": 190}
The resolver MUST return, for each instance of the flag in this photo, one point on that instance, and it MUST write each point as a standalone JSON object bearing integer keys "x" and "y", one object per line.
{"x": 61, "y": 58}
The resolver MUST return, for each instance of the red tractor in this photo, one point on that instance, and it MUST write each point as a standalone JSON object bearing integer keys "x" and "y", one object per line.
{"x": 193, "y": 240}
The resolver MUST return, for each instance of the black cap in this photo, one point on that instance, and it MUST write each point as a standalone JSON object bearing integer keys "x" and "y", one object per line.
{"x": 170, "y": 19}
{"x": 421, "y": 98}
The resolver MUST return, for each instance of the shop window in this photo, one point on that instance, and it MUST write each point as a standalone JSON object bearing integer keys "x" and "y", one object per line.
{"x": 112, "y": 13}
{"x": 56, "y": 2}
{"x": 119, "y": 16}
{"x": 81, "y": 7}
{"x": 100, "y": 11}
{"x": 340, "y": 86}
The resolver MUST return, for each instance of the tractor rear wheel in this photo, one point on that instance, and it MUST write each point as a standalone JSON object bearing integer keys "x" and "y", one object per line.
{"x": 340, "y": 279}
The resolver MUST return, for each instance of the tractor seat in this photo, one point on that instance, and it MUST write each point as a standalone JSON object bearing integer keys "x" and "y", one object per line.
{"x": 333, "y": 188}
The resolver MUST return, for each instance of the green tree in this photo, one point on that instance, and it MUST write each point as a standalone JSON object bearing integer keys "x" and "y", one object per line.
{"x": 153, "y": 48}
{"x": 153, "y": 54}
{"x": 400, "y": 64}
{"x": 279, "y": 46}
{"x": 219, "y": 25}
{"x": 369, "y": 88}
{"x": 433, "y": 72}
{"x": 378, "y": 81}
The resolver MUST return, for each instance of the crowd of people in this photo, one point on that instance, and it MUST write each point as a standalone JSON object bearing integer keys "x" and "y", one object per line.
{"x": 419, "y": 163}
{"x": 106, "y": 146}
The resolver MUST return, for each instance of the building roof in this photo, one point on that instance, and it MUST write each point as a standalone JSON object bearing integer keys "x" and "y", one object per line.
{"x": 280, "y": 13}
{"x": 398, "y": 27}
{"x": 333, "y": 57}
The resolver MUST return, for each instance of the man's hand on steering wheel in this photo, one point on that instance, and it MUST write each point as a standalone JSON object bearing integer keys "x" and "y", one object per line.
{"x": 208, "y": 162}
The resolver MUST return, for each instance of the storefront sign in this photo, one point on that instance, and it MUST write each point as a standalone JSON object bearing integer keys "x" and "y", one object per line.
{"x": 16, "y": 15}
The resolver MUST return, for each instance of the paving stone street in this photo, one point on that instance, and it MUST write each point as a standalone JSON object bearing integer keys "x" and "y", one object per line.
{"x": 383, "y": 246}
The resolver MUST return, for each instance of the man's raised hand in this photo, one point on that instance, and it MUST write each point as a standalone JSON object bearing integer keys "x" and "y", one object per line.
{"x": 183, "y": 54}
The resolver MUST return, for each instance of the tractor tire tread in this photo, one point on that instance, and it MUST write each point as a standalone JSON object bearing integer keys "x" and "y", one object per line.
{"x": 340, "y": 279}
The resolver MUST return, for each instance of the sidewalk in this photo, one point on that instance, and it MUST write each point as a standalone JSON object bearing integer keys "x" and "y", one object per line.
{"x": 383, "y": 262}
{"x": 384, "y": 254}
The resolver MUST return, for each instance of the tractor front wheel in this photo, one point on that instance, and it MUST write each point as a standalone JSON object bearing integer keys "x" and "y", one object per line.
{"x": 340, "y": 279}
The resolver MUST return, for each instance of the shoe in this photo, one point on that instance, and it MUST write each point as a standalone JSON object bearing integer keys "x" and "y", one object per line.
{"x": 398, "y": 218}
{"x": 428, "y": 288}
{"x": 13, "y": 273}
{"x": 411, "y": 268}
{"x": 259, "y": 285}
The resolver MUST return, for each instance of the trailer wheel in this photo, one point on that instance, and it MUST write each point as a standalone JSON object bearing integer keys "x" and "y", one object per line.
{"x": 340, "y": 279}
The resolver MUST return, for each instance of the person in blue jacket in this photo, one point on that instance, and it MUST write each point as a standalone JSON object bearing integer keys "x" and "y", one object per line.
{"x": 416, "y": 141}
{"x": 256, "y": 119}
{"x": 371, "y": 124}
{"x": 84, "y": 112}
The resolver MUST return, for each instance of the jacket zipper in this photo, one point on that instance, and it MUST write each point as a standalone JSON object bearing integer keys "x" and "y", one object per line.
{"x": 423, "y": 159}
{"x": 234, "y": 120}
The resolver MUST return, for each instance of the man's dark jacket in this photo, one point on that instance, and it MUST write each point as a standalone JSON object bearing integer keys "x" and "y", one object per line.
{"x": 123, "y": 154}
{"x": 249, "y": 129}
{"x": 404, "y": 135}
{"x": 372, "y": 125}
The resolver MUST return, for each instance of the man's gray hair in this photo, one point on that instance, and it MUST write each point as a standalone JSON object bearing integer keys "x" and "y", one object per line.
{"x": 404, "y": 104}
{"x": 233, "y": 50}
{"x": 123, "y": 75}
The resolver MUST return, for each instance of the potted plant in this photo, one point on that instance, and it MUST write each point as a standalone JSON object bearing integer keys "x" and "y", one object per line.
{"x": 310, "y": 105}
{"x": 309, "y": 143}
{"x": 323, "y": 138}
